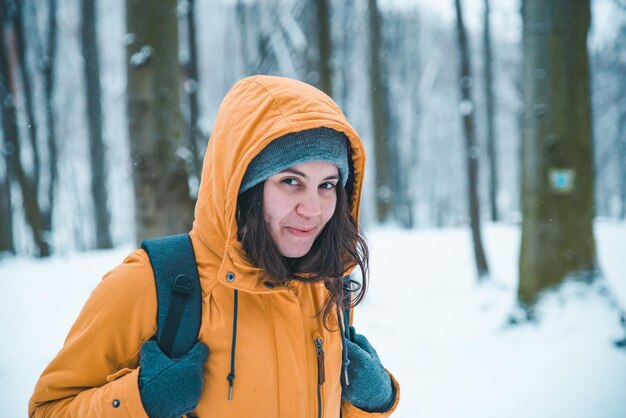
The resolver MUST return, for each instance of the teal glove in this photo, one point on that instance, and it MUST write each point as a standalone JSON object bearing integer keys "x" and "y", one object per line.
{"x": 169, "y": 387}
{"x": 370, "y": 387}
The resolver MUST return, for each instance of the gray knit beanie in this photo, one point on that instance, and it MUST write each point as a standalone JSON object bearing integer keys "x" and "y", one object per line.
{"x": 319, "y": 144}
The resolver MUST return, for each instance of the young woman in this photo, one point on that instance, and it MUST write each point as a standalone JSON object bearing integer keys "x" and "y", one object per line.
{"x": 275, "y": 233}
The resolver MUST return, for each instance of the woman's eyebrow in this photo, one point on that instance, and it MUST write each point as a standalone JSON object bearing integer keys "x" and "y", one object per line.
{"x": 293, "y": 171}
{"x": 299, "y": 173}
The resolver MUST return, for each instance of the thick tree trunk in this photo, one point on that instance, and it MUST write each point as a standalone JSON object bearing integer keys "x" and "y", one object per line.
{"x": 490, "y": 115}
{"x": 324, "y": 47}
{"x": 191, "y": 88}
{"x": 48, "y": 72}
{"x": 557, "y": 163}
{"x": 14, "y": 169}
{"x": 162, "y": 202}
{"x": 471, "y": 149}
{"x": 383, "y": 144}
{"x": 97, "y": 153}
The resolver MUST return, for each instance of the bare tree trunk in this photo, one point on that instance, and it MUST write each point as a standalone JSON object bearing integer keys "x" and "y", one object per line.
{"x": 411, "y": 160}
{"x": 490, "y": 114}
{"x": 557, "y": 163}
{"x": 346, "y": 50}
{"x": 48, "y": 72}
{"x": 191, "y": 88}
{"x": 383, "y": 146}
{"x": 401, "y": 65}
{"x": 620, "y": 67}
{"x": 7, "y": 244}
{"x": 241, "y": 10}
{"x": 621, "y": 149}
{"x": 162, "y": 201}
{"x": 94, "y": 116}
{"x": 21, "y": 52}
{"x": 7, "y": 107}
{"x": 6, "y": 214}
{"x": 471, "y": 149}
{"x": 14, "y": 169}
{"x": 324, "y": 47}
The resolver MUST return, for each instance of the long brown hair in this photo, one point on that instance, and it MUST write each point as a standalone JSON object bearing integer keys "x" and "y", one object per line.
{"x": 341, "y": 245}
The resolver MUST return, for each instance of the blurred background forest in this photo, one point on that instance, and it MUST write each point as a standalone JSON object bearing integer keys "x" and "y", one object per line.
{"x": 473, "y": 111}
{"x": 502, "y": 121}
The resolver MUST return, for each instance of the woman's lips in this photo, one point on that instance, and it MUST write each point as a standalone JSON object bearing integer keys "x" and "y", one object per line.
{"x": 301, "y": 233}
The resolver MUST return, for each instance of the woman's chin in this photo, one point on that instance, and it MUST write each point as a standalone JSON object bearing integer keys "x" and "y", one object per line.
{"x": 295, "y": 251}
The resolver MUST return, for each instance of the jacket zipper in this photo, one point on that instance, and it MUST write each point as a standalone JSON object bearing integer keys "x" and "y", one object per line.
{"x": 321, "y": 374}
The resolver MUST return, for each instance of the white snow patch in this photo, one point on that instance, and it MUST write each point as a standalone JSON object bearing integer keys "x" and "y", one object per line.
{"x": 443, "y": 336}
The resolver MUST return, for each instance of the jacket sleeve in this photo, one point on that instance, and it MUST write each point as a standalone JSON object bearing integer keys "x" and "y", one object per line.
{"x": 350, "y": 411}
{"x": 95, "y": 373}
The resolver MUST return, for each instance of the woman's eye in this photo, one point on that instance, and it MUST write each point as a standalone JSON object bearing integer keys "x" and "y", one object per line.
{"x": 327, "y": 185}
{"x": 290, "y": 181}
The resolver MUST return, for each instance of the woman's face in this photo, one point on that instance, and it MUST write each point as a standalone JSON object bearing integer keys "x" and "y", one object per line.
{"x": 297, "y": 204}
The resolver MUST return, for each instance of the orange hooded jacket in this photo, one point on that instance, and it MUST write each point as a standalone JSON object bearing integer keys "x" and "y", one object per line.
{"x": 95, "y": 373}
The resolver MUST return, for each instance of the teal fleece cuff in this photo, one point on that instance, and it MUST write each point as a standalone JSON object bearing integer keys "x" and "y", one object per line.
{"x": 370, "y": 388}
{"x": 170, "y": 387}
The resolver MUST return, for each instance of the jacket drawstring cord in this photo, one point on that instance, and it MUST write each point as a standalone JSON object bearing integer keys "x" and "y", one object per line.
{"x": 345, "y": 361}
{"x": 349, "y": 286}
{"x": 231, "y": 375}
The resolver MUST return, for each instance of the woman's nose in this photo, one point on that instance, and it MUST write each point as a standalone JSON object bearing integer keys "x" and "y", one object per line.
{"x": 310, "y": 206}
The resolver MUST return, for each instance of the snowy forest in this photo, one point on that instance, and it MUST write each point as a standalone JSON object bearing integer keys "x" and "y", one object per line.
{"x": 499, "y": 119}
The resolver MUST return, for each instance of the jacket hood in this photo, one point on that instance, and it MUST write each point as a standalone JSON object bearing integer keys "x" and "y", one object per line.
{"x": 256, "y": 111}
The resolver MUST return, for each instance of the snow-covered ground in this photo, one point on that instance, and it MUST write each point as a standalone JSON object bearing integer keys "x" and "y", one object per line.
{"x": 444, "y": 337}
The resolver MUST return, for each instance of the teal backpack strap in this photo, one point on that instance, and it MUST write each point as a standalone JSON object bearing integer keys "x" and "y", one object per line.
{"x": 179, "y": 295}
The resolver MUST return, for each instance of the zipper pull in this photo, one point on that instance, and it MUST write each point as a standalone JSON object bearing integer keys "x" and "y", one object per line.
{"x": 321, "y": 375}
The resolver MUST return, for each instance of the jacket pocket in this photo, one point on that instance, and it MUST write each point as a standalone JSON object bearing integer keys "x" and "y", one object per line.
{"x": 118, "y": 374}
